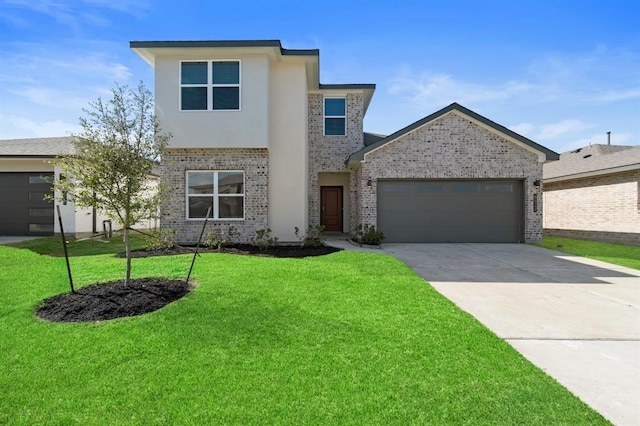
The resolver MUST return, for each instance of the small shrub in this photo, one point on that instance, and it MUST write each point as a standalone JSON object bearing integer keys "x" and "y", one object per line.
{"x": 219, "y": 238}
{"x": 160, "y": 239}
{"x": 263, "y": 239}
{"x": 313, "y": 237}
{"x": 367, "y": 234}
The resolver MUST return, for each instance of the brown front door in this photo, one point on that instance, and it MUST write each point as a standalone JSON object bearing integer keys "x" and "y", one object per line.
{"x": 331, "y": 208}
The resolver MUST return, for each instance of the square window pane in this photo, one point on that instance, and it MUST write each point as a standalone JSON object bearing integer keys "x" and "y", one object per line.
{"x": 194, "y": 73}
{"x": 226, "y": 98}
{"x": 466, "y": 187}
{"x": 37, "y": 179}
{"x": 498, "y": 187}
{"x": 194, "y": 98}
{"x": 231, "y": 207}
{"x": 226, "y": 72}
{"x": 200, "y": 182}
{"x": 198, "y": 207}
{"x": 429, "y": 187}
{"x": 231, "y": 183}
{"x": 334, "y": 126}
{"x": 40, "y": 227}
{"x": 334, "y": 107}
{"x": 396, "y": 187}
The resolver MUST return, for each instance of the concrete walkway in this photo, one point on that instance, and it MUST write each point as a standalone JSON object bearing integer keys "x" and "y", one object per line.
{"x": 575, "y": 318}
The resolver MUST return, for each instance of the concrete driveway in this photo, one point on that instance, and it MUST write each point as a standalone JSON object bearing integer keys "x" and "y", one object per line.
{"x": 10, "y": 239}
{"x": 575, "y": 318}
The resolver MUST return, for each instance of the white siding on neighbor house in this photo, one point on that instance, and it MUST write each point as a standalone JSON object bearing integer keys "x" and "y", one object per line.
{"x": 245, "y": 128}
{"x": 25, "y": 165}
{"x": 288, "y": 149}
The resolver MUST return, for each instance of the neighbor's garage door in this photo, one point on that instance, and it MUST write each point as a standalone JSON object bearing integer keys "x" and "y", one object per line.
{"x": 450, "y": 211}
{"x": 23, "y": 209}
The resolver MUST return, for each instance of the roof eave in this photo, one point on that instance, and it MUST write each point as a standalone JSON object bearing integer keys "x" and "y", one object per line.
{"x": 146, "y": 49}
{"x": 592, "y": 173}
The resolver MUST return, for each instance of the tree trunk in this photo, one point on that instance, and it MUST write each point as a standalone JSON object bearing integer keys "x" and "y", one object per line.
{"x": 127, "y": 245}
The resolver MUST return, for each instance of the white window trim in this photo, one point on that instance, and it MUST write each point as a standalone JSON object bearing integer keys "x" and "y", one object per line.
{"x": 209, "y": 85}
{"x": 215, "y": 196}
{"x": 324, "y": 115}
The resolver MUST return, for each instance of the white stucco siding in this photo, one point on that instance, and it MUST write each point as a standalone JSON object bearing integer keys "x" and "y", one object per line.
{"x": 288, "y": 149}
{"x": 245, "y": 128}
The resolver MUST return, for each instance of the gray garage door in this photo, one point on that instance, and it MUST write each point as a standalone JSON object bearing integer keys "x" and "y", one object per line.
{"x": 23, "y": 209}
{"x": 433, "y": 211}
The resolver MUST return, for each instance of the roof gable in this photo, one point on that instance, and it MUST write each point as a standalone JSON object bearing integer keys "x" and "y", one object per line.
{"x": 544, "y": 153}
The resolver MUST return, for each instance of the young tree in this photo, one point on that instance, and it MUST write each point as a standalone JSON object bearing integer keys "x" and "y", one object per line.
{"x": 118, "y": 146}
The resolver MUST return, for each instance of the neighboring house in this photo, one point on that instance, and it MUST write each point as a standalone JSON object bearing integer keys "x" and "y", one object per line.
{"x": 259, "y": 140}
{"x": 25, "y": 180}
{"x": 594, "y": 193}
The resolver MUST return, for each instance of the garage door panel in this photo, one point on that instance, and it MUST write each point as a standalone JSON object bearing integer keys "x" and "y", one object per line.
{"x": 24, "y": 210}
{"x": 450, "y": 211}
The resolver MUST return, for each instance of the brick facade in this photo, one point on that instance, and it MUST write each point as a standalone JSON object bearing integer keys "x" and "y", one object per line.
{"x": 254, "y": 163}
{"x": 452, "y": 147}
{"x": 327, "y": 154}
{"x": 605, "y": 208}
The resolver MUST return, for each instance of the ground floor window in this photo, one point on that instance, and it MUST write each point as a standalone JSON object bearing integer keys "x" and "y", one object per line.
{"x": 222, "y": 191}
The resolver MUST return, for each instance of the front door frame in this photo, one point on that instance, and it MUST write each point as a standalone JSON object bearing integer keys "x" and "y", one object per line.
{"x": 340, "y": 208}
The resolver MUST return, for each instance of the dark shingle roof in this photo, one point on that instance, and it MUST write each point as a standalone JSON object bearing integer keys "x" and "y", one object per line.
{"x": 593, "y": 160}
{"x": 371, "y": 138}
{"x": 36, "y": 147}
{"x": 359, "y": 155}
{"x": 224, "y": 43}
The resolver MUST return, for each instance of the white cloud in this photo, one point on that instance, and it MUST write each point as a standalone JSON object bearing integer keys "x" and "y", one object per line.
{"x": 619, "y": 95}
{"x": 74, "y": 16}
{"x": 599, "y": 77}
{"x": 430, "y": 90}
{"x": 524, "y": 129}
{"x": 16, "y": 127}
{"x": 46, "y": 96}
{"x": 554, "y": 130}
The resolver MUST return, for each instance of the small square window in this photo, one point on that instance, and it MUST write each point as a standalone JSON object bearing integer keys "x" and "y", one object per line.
{"x": 194, "y": 98}
{"x": 335, "y": 116}
{"x": 209, "y": 85}
{"x": 225, "y": 72}
{"x": 226, "y": 98}
{"x": 194, "y": 73}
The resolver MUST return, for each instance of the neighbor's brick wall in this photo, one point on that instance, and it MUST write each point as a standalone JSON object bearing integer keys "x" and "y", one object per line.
{"x": 606, "y": 207}
{"x": 329, "y": 153}
{"x": 453, "y": 147}
{"x": 254, "y": 163}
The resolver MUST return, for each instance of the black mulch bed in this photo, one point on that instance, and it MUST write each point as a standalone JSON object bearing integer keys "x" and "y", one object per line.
{"x": 111, "y": 300}
{"x": 244, "y": 249}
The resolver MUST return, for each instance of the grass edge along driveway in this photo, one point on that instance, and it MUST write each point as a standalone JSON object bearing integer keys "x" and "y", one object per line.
{"x": 617, "y": 254}
{"x": 349, "y": 338}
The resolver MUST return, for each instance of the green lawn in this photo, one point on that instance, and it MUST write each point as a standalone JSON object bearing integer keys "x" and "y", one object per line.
{"x": 618, "y": 254}
{"x": 349, "y": 338}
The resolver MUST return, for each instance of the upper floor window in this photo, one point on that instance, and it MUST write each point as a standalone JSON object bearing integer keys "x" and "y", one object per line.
{"x": 209, "y": 85}
{"x": 335, "y": 116}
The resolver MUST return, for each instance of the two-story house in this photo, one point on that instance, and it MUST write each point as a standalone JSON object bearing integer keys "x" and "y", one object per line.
{"x": 262, "y": 143}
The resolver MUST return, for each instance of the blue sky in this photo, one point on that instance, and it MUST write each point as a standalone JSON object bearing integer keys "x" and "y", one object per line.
{"x": 562, "y": 73}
